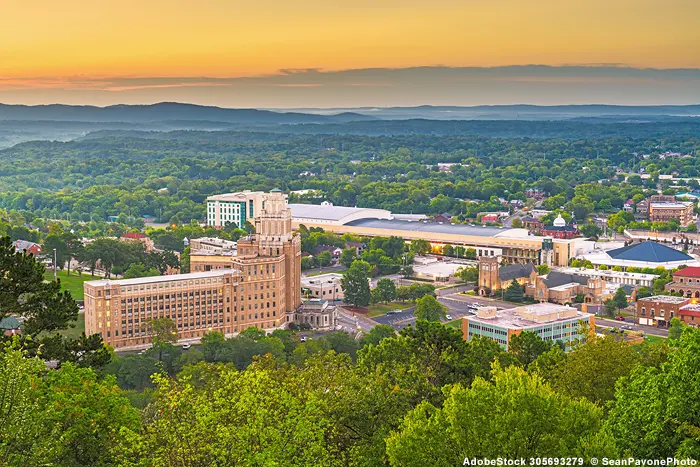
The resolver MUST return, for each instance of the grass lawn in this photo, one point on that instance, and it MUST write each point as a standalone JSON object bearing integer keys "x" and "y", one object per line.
{"x": 380, "y": 308}
{"x": 457, "y": 324}
{"x": 649, "y": 339}
{"x": 77, "y": 330}
{"x": 72, "y": 283}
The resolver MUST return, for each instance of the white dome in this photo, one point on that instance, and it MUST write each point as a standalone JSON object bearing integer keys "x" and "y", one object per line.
{"x": 559, "y": 221}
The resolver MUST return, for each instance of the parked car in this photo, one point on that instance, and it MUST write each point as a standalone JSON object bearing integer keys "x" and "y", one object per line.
{"x": 393, "y": 312}
{"x": 619, "y": 318}
{"x": 448, "y": 317}
{"x": 303, "y": 339}
{"x": 186, "y": 346}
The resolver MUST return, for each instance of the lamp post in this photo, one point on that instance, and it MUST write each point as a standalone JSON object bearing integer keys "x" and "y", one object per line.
{"x": 54, "y": 265}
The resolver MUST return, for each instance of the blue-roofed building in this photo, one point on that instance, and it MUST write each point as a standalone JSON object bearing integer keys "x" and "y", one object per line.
{"x": 642, "y": 255}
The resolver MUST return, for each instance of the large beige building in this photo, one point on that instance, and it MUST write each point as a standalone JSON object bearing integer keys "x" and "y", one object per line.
{"x": 513, "y": 245}
{"x": 257, "y": 286}
{"x": 665, "y": 208}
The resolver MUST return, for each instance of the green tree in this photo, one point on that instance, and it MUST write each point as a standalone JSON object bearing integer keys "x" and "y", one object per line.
{"x": 185, "y": 260}
{"x": 45, "y": 309}
{"x": 590, "y": 230}
{"x": 610, "y": 308}
{"x": 420, "y": 247}
{"x": 527, "y": 346}
{"x": 676, "y": 329}
{"x": 377, "y": 334}
{"x": 348, "y": 256}
{"x": 542, "y": 269}
{"x": 472, "y": 420}
{"x": 87, "y": 413}
{"x": 468, "y": 273}
{"x": 594, "y": 368}
{"x": 163, "y": 332}
{"x": 258, "y": 417}
{"x": 643, "y": 292}
{"x": 514, "y": 292}
{"x": 429, "y": 309}
{"x": 666, "y": 427}
{"x": 355, "y": 284}
{"x": 139, "y": 270}
{"x": 385, "y": 290}
{"x": 620, "y": 299}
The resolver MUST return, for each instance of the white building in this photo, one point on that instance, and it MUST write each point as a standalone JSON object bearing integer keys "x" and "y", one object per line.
{"x": 634, "y": 279}
{"x": 234, "y": 208}
{"x": 324, "y": 287}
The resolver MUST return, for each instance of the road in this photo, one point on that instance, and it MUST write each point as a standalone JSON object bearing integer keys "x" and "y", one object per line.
{"x": 475, "y": 300}
{"x": 457, "y": 307}
{"x": 611, "y": 323}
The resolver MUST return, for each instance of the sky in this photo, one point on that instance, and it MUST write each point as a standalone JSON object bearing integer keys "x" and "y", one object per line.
{"x": 315, "y": 53}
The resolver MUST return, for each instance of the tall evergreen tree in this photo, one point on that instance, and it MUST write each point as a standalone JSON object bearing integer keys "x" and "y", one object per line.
{"x": 355, "y": 284}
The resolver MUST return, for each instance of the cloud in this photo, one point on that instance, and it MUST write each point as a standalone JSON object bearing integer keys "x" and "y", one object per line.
{"x": 439, "y": 85}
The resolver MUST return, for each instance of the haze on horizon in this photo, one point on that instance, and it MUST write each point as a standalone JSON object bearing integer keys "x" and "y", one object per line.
{"x": 314, "y": 53}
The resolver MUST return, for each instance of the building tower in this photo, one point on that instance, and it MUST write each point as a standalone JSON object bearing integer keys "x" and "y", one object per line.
{"x": 271, "y": 258}
{"x": 547, "y": 253}
{"x": 488, "y": 274}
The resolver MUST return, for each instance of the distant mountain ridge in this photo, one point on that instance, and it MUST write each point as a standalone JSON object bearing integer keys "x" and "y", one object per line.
{"x": 167, "y": 111}
{"x": 178, "y": 112}
{"x": 515, "y": 111}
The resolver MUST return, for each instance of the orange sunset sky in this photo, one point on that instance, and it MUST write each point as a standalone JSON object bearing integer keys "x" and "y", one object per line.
{"x": 78, "y": 51}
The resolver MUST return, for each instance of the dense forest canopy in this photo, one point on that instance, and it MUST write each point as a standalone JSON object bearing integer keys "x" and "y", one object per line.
{"x": 169, "y": 175}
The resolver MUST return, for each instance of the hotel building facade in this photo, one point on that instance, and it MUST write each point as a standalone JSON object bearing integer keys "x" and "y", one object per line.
{"x": 259, "y": 287}
{"x": 234, "y": 208}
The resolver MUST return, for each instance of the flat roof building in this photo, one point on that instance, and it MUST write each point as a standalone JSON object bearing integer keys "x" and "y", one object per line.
{"x": 234, "y": 208}
{"x": 323, "y": 287}
{"x": 550, "y": 321}
{"x": 659, "y": 310}
{"x": 634, "y": 279}
{"x": 212, "y": 244}
{"x": 515, "y": 245}
{"x": 664, "y": 208}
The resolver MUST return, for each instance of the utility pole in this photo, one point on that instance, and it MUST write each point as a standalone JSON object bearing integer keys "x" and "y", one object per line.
{"x": 54, "y": 265}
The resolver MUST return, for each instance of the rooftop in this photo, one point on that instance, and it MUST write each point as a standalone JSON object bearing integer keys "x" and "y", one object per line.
{"x": 437, "y": 269}
{"x": 607, "y": 273}
{"x": 330, "y": 278}
{"x": 561, "y": 288}
{"x": 134, "y": 235}
{"x": 532, "y": 316}
{"x": 669, "y": 205}
{"x": 514, "y": 271}
{"x": 664, "y": 299}
{"x": 556, "y": 279}
{"x": 432, "y": 227}
{"x": 238, "y": 196}
{"x": 688, "y": 272}
{"x": 203, "y": 252}
{"x": 649, "y": 252}
{"x": 335, "y": 213}
{"x": 156, "y": 279}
